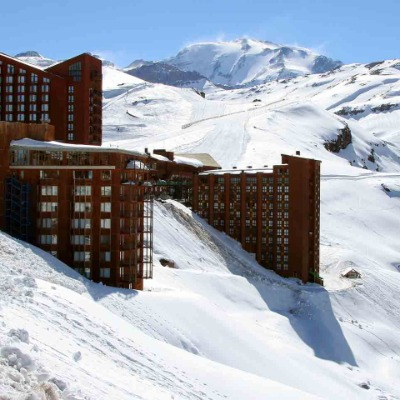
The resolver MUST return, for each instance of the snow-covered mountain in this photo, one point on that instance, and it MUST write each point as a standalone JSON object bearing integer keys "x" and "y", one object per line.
{"x": 159, "y": 72}
{"x": 249, "y": 62}
{"x": 33, "y": 57}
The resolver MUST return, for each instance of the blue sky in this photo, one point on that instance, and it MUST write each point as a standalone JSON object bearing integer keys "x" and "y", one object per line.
{"x": 124, "y": 30}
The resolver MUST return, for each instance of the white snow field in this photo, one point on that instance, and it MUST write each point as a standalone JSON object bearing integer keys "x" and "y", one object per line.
{"x": 218, "y": 326}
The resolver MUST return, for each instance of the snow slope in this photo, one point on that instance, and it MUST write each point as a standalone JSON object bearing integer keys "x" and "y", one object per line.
{"x": 58, "y": 340}
{"x": 218, "y": 314}
{"x": 282, "y": 116}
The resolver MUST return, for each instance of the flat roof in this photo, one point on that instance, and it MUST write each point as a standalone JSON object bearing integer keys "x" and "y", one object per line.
{"x": 237, "y": 171}
{"x": 205, "y": 158}
{"x": 32, "y": 144}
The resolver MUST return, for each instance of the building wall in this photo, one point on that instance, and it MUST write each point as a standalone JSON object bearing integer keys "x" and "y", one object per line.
{"x": 89, "y": 210}
{"x": 79, "y": 108}
{"x": 274, "y": 213}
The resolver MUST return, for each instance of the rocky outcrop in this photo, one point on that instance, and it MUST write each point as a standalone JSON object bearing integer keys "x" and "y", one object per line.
{"x": 159, "y": 72}
{"x": 342, "y": 140}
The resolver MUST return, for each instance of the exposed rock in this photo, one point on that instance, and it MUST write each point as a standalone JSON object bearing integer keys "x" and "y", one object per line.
{"x": 342, "y": 140}
{"x": 384, "y": 107}
{"x": 159, "y": 72}
{"x": 346, "y": 111}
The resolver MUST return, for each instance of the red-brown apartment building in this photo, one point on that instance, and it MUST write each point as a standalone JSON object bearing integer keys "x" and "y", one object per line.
{"x": 68, "y": 95}
{"x": 272, "y": 212}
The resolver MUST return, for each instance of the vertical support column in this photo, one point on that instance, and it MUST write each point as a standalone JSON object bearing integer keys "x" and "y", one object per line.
{"x": 259, "y": 217}
{"x": 243, "y": 207}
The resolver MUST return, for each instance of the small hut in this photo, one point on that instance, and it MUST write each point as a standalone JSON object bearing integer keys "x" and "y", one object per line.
{"x": 350, "y": 273}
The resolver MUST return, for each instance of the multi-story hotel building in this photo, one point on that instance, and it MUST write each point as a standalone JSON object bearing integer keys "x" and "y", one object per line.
{"x": 89, "y": 206}
{"x": 68, "y": 95}
{"x": 272, "y": 212}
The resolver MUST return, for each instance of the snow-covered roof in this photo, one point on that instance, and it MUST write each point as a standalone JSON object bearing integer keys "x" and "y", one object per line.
{"x": 237, "y": 171}
{"x": 53, "y": 145}
{"x": 160, "y": 157}
{"x": 204, "y": 158}
{"x": 347, "y": 270}
{"x": 188, "y": 161}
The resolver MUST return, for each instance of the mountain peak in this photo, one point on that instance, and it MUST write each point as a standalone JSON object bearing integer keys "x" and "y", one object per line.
{"x": 247, "y": 61}
{"x": 29, "y": 53}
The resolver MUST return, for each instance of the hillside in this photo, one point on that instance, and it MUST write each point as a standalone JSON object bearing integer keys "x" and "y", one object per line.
{"x": 282, "y": 116}
{"x": 218, "y": 314}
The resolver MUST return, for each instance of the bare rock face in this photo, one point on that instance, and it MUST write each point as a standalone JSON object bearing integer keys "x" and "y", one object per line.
{"x": 342, "y": 140}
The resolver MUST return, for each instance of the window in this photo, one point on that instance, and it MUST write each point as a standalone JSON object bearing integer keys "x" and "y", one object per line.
{"x": 33, "y": 88}
{"x": 32, "y": 98}
{"x": 83, "y": 174}
{"x": 45, "y": 98}
{"x": 106, "y": 190}
{"x": 48, "y": 206}
{"x": 49, "y": 190}
{"x": 80, "y": 239}
{"x": 105, "y": 207}
{"x": 45, "y": 88}
{"x": 105, "y": 272}
{"x": 70, "y": 89}
{"x": 9, "y": 79}
{"x": 34, "y": 78}
{"x": 105, "y": 223}
{"x": 10, "y": 69}
{"x": 81, "y": 255}
{"x": 78, "y": 223}
{"x": 48, "y": 239}
{"x": 45, "y": 107}
{"x": 32, "y": 107}
{"x": 83, "y": 190}
{"x": 47, "y": 222}
{"x": 21, "y": 89}
{"x": 21, "y": 98}
{"x": 9, "y": 89}
{"x": 21, "y": 78}
{"x": 106, "y": 176}
{"x": 82, "y": 207}
{"x": 75, "y": 71}
{"x": 70, "y": 136}
{"x": 105, "y": 256}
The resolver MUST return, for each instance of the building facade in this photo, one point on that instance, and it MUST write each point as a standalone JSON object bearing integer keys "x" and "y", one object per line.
{"x": 89, "y": 206}
{"x": 272, "y": 212}
{"x": 68, "y": 95}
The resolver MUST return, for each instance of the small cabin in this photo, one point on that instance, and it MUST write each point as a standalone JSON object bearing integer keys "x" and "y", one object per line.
{"x": 350, "y": 273}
